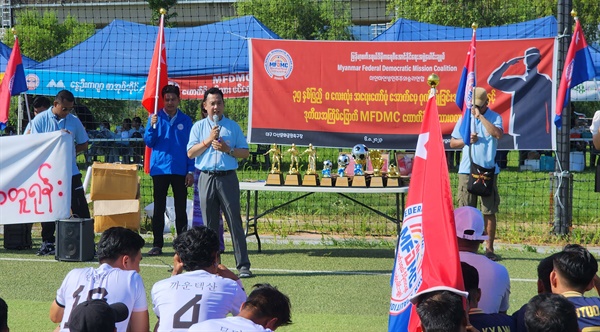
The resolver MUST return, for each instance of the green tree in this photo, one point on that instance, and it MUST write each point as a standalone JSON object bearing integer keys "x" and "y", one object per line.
{"x": 301, "y": 19}
{"x": 156, "y": 5}
{"x": 462, "y": 13}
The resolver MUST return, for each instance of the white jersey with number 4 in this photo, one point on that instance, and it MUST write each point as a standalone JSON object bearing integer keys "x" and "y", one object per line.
{"x": 186, "y": 299}
{"x": 228, "y": 324}
{"x": 105, "y": 282}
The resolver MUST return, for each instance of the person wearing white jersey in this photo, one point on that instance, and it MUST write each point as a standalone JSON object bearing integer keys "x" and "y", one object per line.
{"x": 266, "y": 309}
{"x": 116, "y": 280}
{"x": 207, "y": 290}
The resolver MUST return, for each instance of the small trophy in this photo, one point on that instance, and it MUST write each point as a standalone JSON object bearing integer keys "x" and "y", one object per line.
{"x": 393, "y": 177}
{"x": 310, "y": 177}
{"x": 377, "y": 162}
{"x": 327, "y": 180}
{"x": 359, "y": 153}
{"x": 293, "y": 176}
{"x": 342, "y": 180}
{"x": 275, "y": 177}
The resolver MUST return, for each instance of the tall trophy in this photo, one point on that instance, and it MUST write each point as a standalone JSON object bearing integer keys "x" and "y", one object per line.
{"x": 377, "y": 162}
{"x": 393, "y": 177}
{"x": 310, "y": 177}
{"x": 275, "y": 178}
{"x": 293, "y": 176}
{"x": 342, "y": 180}
{"x": 360, "y": 152}
{"x": 327, "y": 180}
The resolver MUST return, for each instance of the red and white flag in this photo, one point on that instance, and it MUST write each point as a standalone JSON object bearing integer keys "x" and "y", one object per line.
{"x": 158, "y": 78}
{"x": 427, "y": 251}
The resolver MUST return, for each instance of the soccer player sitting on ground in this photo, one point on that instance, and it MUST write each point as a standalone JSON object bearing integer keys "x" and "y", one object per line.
{"x": 573, "y": 275}
{"x": 442, "y": 310}
{"x": 97, "y": 316}
{"x": 477, "y": 318}
{"x": 550, "y": 313}
{"x": 266, "y": 309}
{"x": 208, "y": 290}
{"x": 116, "y": 280}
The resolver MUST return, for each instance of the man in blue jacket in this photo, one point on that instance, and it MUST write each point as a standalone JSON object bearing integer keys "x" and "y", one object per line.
{"x": 167, "y": 134}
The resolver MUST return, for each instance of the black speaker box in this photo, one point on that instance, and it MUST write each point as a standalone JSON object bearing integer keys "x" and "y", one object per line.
{"x": 75, "y": 240}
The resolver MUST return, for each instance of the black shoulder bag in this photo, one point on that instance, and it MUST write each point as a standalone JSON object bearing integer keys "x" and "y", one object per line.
{"x": 481, "y": 179}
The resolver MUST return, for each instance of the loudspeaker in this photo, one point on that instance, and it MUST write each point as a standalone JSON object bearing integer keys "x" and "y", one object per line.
{"x": 75, "y": 240}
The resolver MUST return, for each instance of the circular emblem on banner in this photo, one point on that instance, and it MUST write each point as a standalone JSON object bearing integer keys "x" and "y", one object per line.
{"x": 180, "y": 126}
{"x": 33, "y": 81}
{"x": 408, "y": 268}
{"x": 279, "y": 64}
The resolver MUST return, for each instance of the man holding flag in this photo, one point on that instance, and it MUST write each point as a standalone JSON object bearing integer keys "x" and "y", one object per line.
{"x": 13, "y": 83}
{"x": 427, "y": 252}
{"x": 483, "y": 141}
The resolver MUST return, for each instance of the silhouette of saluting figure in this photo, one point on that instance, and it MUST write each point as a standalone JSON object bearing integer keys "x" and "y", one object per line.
{"x": 529, "y": 122}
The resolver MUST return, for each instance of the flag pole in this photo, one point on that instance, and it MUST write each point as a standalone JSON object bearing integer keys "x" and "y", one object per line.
{"x": 161, "y": 36}
{"x": 474, "y": 37}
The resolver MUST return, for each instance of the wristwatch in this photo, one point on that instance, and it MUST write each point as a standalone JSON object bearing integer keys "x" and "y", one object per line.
{"x": 230, "y": 152}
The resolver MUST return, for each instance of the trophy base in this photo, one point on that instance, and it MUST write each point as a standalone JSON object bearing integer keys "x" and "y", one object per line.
{"x": 310, "y": 180}
{"x": 377, "y": 182}
{"x": 342, "y": 181}
{"x": 359, "y": 181}
{"x": 293, "y": 180}
{"x": 394, "y": 182}
{"x": 274, "y": 179}
{"x": 327, "y": 182}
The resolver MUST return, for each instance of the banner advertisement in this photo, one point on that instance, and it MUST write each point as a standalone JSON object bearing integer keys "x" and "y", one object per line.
{"x": 338, "y": 94}
{"x": 586, "y": 91}
{"x": 35, "y": 184}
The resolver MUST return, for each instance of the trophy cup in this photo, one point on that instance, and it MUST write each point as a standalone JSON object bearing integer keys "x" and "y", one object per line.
{"x": 293, "y": 176}
{"x": 310, "y": 177}
{"x": 327, "y": 180}
{"x": 275, "y": 177}
{"x": 377, "y": 162}
{"x": 393, "y": 177}
{"x": 360, "y": 153}
{"x": 342, "y": 180}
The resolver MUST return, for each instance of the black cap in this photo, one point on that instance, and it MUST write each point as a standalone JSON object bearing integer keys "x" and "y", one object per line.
{"x": 97, "y": 316}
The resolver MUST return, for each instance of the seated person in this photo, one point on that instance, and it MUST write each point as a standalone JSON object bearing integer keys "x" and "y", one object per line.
{"x": 442, "y": 310}
{"x": 122, "y": 145}
{"x": 477, "y": 318}
{"x": 105, "y": 148}
{"x": 97, "y": 316}
{"x": 550, "y": 313}
{"x": 137, "y": 131}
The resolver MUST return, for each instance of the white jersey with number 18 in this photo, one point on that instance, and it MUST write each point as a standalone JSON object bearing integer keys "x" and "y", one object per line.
{"x": 186, "y": 299}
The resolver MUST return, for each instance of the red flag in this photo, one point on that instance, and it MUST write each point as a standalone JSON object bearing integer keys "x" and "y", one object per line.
{"x": 579, "y": 67}
{"x": 158, "y": 78}
{"x": 427, "y": 251}
{"x": 13, "y": 82}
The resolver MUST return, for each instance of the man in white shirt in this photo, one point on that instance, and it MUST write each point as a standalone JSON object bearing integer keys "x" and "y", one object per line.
{"x": 116, "y": 280}
{"x": 493, "y": 277}
{"x": 207, "y": 290}
{"x": 266, "y": 309}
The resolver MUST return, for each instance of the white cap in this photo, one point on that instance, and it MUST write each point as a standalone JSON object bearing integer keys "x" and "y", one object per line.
{"x": 469, "y": 223}
{"x": 415, "y": 298}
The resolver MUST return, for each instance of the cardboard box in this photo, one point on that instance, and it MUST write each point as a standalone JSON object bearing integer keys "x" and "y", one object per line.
{"x": 111, "y": 213}
{"x": 114, "y": 181}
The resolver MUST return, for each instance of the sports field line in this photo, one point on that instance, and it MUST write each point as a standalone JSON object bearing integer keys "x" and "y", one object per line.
{"x": 253, "y": 269}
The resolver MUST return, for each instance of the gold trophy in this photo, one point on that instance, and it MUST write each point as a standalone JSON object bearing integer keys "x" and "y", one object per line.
{"x": 275, "y": 177}
{"x": 310, "y": 177}
{"x": 393, "y": 177}
{"x": 360, "y": 152}
{"x": 327, "y": 180}
{"x": 377, "y": 162}
{"x": 293, "y": 176}
{"x": 342, "y": 180}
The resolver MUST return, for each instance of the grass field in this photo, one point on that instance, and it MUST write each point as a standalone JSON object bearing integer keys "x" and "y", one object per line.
{"x": 334, "y": 285}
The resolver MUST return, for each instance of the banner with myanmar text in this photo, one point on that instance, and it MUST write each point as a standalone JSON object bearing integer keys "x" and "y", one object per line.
{"x": 338, "y": 94}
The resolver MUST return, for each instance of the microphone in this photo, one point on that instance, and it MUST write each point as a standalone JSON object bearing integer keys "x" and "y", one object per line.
{"x": 215, "y": 119}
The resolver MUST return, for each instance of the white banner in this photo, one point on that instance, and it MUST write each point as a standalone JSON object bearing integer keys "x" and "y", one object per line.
{"x": 35, "y": 177}
{"x": 586, "y": 91}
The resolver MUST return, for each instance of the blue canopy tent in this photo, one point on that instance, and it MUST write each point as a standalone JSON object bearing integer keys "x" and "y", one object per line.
{"x": 114, "y": 62}
{"x": 5, "y": 52}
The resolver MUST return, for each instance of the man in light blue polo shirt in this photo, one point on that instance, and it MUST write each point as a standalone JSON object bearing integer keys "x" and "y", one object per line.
{"x": 484, "y": 142}
{"x": 217, "y": 142}
{"x": 59, "y": 117}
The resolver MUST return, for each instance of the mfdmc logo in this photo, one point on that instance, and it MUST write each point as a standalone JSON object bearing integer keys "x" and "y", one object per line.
{"x": 279, "y": 64}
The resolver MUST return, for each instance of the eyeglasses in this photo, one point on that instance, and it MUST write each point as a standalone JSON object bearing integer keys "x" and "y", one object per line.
{"x": 64, "y": 109}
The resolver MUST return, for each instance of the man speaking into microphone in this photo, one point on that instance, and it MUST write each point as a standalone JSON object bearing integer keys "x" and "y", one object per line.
{"x": 217, "y": 142}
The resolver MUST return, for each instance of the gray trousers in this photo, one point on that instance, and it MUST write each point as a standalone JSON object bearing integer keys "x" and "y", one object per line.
{"x": 222, "y": 193}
